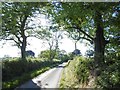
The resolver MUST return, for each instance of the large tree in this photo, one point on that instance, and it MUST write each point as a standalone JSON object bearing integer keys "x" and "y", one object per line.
{"x": 92, "y": 21}
{"x": 16, "y": 17}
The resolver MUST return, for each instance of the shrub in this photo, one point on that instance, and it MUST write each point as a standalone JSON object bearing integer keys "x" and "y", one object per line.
{"x": 82, "y": 70}
{"x": 76, "y": 74}
{"x": 65, "y": 57}
{"x": 48, "y": 54}
{"x": 110, "y": 74}
{"x": 13, "y": 68}
{"x": 17, "y": 71}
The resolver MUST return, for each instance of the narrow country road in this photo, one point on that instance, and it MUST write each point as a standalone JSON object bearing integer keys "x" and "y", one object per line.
{"x": 49, "y": 79}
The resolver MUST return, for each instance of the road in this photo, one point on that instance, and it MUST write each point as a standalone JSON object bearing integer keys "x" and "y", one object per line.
{"x": 49, "y": 79}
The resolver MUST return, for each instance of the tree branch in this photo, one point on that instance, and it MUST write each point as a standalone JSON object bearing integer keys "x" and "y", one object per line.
{"x": 23, "y": 25}
{"x": 82, "y": 32}
{"x": 28, "y": 28}
{"x": 91, "y": 41}
{"x": 18, "y": 38}
{"x": 14, "y": 41}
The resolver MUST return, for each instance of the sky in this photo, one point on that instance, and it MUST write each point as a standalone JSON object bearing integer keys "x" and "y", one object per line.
{"x": 37, "y": 45}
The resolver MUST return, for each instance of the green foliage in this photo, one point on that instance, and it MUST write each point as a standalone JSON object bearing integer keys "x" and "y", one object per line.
{"x": 83, "y": 70}
{"x": 48, "y": 54}
{"x": 16, "y": 20}
{"x": 44, "y": 54}
{"x": 15, "y": 16}
{"x": 65, "y": 57}
{"x": 69, "y": 79}
{"x": 18, "y": 71}
{"x": 110, "y": 72}
{"x": 71, "y": 56}
{"x": 77, "y": 73}
{"x": 14, "y": 68}
{"x": 22, "y": 79}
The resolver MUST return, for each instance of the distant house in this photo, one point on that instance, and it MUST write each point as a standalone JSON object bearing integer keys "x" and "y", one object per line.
{"x": 30, "y": 53}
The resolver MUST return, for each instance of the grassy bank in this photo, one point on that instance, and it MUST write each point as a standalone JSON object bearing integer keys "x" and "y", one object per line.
{"x": 77, "y": 74}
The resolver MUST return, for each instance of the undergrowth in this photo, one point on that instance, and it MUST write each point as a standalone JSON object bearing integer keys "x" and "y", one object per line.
{"x": 110, "y": 73}
{"x": 77, "y": 73}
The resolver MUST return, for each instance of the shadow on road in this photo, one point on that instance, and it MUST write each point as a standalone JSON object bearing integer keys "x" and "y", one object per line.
{"x": 60, "y": 66}
{"x": 30, "y": 85}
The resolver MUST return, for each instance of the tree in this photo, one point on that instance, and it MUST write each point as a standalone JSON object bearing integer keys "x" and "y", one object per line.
{"x": 46, "y": 54}
{"x": 16, "y": 17}
{"x": 52, "y": 37}
{"x": 75, "y": 35}
{"x": 76, "y": 52}
{"x": 89, "y": 53}
{"x": 30, "y": 53}
{"x": 90, "y": 20}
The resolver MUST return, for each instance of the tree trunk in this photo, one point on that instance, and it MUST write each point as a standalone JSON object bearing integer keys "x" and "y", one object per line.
{"x": 100, "y": 44}
{"x": 23, "y": 48}
{"x": 75, "y": 45}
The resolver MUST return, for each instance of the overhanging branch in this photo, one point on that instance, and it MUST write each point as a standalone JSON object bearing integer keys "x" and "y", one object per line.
{"x": 91, "y": 41}
{"x": 90, "y": 38}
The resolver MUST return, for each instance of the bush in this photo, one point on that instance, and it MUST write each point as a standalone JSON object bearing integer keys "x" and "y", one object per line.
{"x": 13, "y": 68}
{"x": 82, "y": 70}
{"x": 71, "y": 56}
{"x": 65, "y": 58}
{"x": 17, "y": 71}
{"x": 48, "y": 54}
{"x": 76, "y": 74}
{"x": 110, "y": 74}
